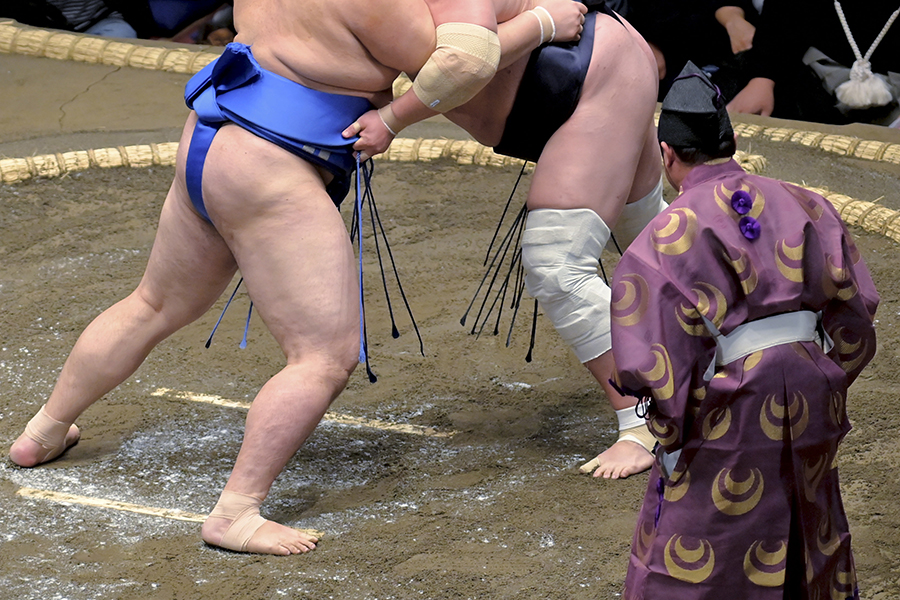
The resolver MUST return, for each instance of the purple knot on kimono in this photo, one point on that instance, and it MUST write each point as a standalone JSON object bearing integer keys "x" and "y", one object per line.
{"x": 750, "y": 228}
{"x": 741, "y": 202}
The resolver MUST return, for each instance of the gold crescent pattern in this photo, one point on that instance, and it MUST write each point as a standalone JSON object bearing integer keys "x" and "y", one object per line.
{"x": 847, "y": 350}
{"x": 802, "y": 352}
{"x": 689, "y": 319}
{"x": 666, "y": 434}
{"x": 806, "y": 202}
{"x": 841, "y": 343}
{"x": 743, "y": 268}
{"x": 789, "y": 259}
{"x": 842, "y": 284}
{"x": 764, "y": 568}
{"x": 855, "y": 256}
{"x": 837, "y": 408}
{"x": 695, "y": 401}
{"x": 844, "y": 584}
{"x": 752, "y": 360}
{"x": 736, "y": 497}
{"x": 813, "y": 472}
{"x": 644, "y": 541}
{"x": 717, "y": 423}
{"x": 827, "y": 539}
{"x": 678, "y": 234}
{"x": 692, "y": 564}
{"x": 706, "y": 305}
{"x": 772, "y": 416}
{"x": 676, "y": 491}
{"x": 723, "y": 198}
{"x": 660, "y": 377}
{"x": 630, "y": 299}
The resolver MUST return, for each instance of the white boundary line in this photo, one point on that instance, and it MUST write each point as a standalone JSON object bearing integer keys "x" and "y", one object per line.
{"x": 62, "y": 498}
{"x": 166, "y": 513}
{"x": 329, "y": 416}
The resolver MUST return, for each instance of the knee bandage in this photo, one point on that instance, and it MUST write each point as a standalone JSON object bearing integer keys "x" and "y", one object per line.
{"x": 465, "y": 59}
{"x": 243, "y": 512}
{"x": 561, "y": 252}
{"x": 636, "y": 215}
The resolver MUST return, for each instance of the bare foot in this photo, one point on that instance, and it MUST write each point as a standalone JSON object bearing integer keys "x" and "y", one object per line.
{"x": 620, "y": 460}
{"x": 26, "y": 452}
{"x": 270, "y": 538}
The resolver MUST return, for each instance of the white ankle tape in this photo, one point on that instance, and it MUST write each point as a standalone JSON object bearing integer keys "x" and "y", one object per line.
{"x": 561, "y": 253}
{"x": 628, "y": 418}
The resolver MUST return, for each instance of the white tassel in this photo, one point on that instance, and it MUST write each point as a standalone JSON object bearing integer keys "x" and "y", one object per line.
{"x": 864, "y": 89}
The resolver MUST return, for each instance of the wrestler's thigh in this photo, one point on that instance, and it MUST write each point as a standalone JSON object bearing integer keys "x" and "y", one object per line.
{"x": 190, "y": 264}
{"x": 591, "y": 161}
{"x": 289, "y": 241}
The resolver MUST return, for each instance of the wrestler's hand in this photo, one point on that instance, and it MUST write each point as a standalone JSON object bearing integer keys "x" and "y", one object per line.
{"x": 374, "y": 137}
{"x": 757, "y": 98}
{"x": 568, "y": 17}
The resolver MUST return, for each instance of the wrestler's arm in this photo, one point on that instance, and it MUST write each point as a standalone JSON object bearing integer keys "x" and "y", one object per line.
{"x": 376, "y": 129}
{"x": 522, "y": 34}
{"x": 518, "y": 37}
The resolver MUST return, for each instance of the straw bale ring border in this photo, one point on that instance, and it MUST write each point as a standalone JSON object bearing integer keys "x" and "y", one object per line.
{"x": 16, "y": 38}
{"x": 870, "y": 216}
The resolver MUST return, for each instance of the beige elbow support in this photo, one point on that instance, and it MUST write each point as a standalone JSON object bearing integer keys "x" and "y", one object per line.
{"x": 464, "y": 61}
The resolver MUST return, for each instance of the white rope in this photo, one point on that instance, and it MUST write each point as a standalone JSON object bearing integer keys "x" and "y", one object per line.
{"x": 864, "y": 89}
{"x": 884, "y": 30}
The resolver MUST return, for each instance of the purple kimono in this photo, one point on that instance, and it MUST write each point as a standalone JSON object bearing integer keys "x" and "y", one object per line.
{"x": 746, "y": 504}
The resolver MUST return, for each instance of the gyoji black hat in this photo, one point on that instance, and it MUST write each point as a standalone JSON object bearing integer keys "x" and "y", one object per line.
{"x": 693, "y": 113}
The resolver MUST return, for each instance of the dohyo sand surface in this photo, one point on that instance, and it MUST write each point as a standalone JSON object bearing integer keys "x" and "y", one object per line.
{"x": 477, "y": 496}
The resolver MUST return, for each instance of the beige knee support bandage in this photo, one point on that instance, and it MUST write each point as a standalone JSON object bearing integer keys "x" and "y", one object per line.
{"x": 243, "y": 512}
{"x": 561, "y": 253}
{"x": 636, "y": 215}
{"x": 465, "y": 59}
{"x": 49, "y": 433}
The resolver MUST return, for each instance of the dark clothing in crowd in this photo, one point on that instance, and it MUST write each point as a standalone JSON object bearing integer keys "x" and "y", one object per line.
{"x": 785, "y": 31}
{"x": 685, "y": 30}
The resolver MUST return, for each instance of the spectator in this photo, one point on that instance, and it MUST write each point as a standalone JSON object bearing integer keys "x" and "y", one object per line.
{"x": 708, "y": 32}
{"x": 800, "y": 53}
{"x": 94, "y": 17}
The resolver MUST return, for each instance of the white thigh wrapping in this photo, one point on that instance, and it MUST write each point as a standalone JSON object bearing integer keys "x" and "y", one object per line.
{"x": 636, "y": 215}
{"x": 561, "y": 252}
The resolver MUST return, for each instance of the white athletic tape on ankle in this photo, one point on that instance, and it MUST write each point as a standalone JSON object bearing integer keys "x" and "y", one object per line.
{"x": 628, "y": 418}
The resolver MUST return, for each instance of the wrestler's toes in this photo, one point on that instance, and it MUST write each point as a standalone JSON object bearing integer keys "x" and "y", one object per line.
{"x": 623, "y": 459}
{"x": 275, "y": 538}
{"x": 300, "y": 546}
